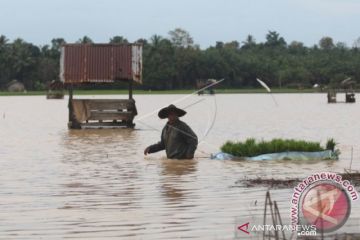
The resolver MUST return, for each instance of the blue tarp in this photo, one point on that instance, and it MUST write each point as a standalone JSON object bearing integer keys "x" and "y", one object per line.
{"x": 323, "y": 155}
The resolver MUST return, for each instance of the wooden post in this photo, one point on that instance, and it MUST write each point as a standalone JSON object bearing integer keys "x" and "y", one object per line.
{"x": 131, "y": 89}
{"x": 71, "y": 110}
{"x": 73, "y": 123}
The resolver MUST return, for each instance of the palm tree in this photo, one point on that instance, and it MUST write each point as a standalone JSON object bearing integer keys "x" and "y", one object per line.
{"x": 118, "y": 40}
{"x": 56, "y": 43}
{"x": 249, "y": 41}
{"x": 3, "y": 40}
{"x": 85, "y": 40}
{"x": 155, "y": 41}
{"x": 273, "y": 39}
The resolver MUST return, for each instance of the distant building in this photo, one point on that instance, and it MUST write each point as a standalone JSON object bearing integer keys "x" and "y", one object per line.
{"x": 15, "y": 86}
{"x": 55, "y": 90}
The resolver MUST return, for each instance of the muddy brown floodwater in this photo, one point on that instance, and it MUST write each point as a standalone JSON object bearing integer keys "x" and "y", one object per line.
{"x": 57, "y": 183}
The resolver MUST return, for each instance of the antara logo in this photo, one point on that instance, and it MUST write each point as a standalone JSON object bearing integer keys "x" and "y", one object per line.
{"x": 244, "y": 228}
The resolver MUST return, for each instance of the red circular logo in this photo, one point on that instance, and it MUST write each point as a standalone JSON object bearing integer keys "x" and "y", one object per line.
{"x": 326, "y": 206}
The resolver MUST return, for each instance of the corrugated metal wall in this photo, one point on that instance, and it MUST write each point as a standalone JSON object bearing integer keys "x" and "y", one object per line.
{"x": 100, "y": 63}
{"x": 137, "y": 63}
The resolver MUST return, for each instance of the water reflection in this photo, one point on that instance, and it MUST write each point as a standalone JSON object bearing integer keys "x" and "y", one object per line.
{"x": 99, "y": 144}
{"x": 173, "y": 180}
{"x": 96, "y": 170}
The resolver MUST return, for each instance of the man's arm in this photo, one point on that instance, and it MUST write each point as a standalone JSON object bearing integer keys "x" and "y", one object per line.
{"x": 155, "y": 147}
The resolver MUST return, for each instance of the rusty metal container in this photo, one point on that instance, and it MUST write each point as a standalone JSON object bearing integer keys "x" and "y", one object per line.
{"x": 100, "y": 63}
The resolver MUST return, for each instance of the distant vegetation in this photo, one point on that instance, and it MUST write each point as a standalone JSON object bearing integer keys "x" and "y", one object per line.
{"x": 175, "y": 62}
{"x": 251, "y": 147}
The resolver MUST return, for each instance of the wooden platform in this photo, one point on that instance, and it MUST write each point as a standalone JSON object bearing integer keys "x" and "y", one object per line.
{"x": 101, "y": 113}
{"x": 349, "y": 97}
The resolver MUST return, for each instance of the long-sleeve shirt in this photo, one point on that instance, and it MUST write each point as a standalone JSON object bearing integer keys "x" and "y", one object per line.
{"x": 178, "y": 139}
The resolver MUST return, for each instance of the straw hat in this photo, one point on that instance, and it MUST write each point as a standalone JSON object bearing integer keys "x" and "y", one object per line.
{"x": 164, "y": 113}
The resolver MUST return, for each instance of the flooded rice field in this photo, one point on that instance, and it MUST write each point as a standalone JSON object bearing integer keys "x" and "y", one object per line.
{"x": 57, "y": 183}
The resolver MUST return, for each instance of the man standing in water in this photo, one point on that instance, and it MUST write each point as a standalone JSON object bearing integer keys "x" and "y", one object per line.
{"x": 177, "y": 138}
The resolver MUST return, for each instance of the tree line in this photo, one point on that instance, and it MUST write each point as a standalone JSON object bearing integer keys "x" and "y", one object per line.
{"x": 176, "y": 62}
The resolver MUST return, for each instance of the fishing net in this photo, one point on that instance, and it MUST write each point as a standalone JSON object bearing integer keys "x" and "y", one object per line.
{"x": 322, "y": 155}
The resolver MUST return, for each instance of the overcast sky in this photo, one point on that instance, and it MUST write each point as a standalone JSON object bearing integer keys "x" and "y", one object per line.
{"x": 208, "y": 21}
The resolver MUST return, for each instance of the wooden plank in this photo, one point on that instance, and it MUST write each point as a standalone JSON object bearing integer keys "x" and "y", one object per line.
{"x": 105, "y": 124}
{"x": 105, "y": 104}
{"x": 98, "y": 115}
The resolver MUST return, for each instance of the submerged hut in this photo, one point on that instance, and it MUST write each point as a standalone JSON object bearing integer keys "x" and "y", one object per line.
{"x": 347, "y": 87}
{"x": 55, "y": 90}
{"x": 100, "y": 64}
{"x": 201, "y": 84}
{"x": 15, "y": 86}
